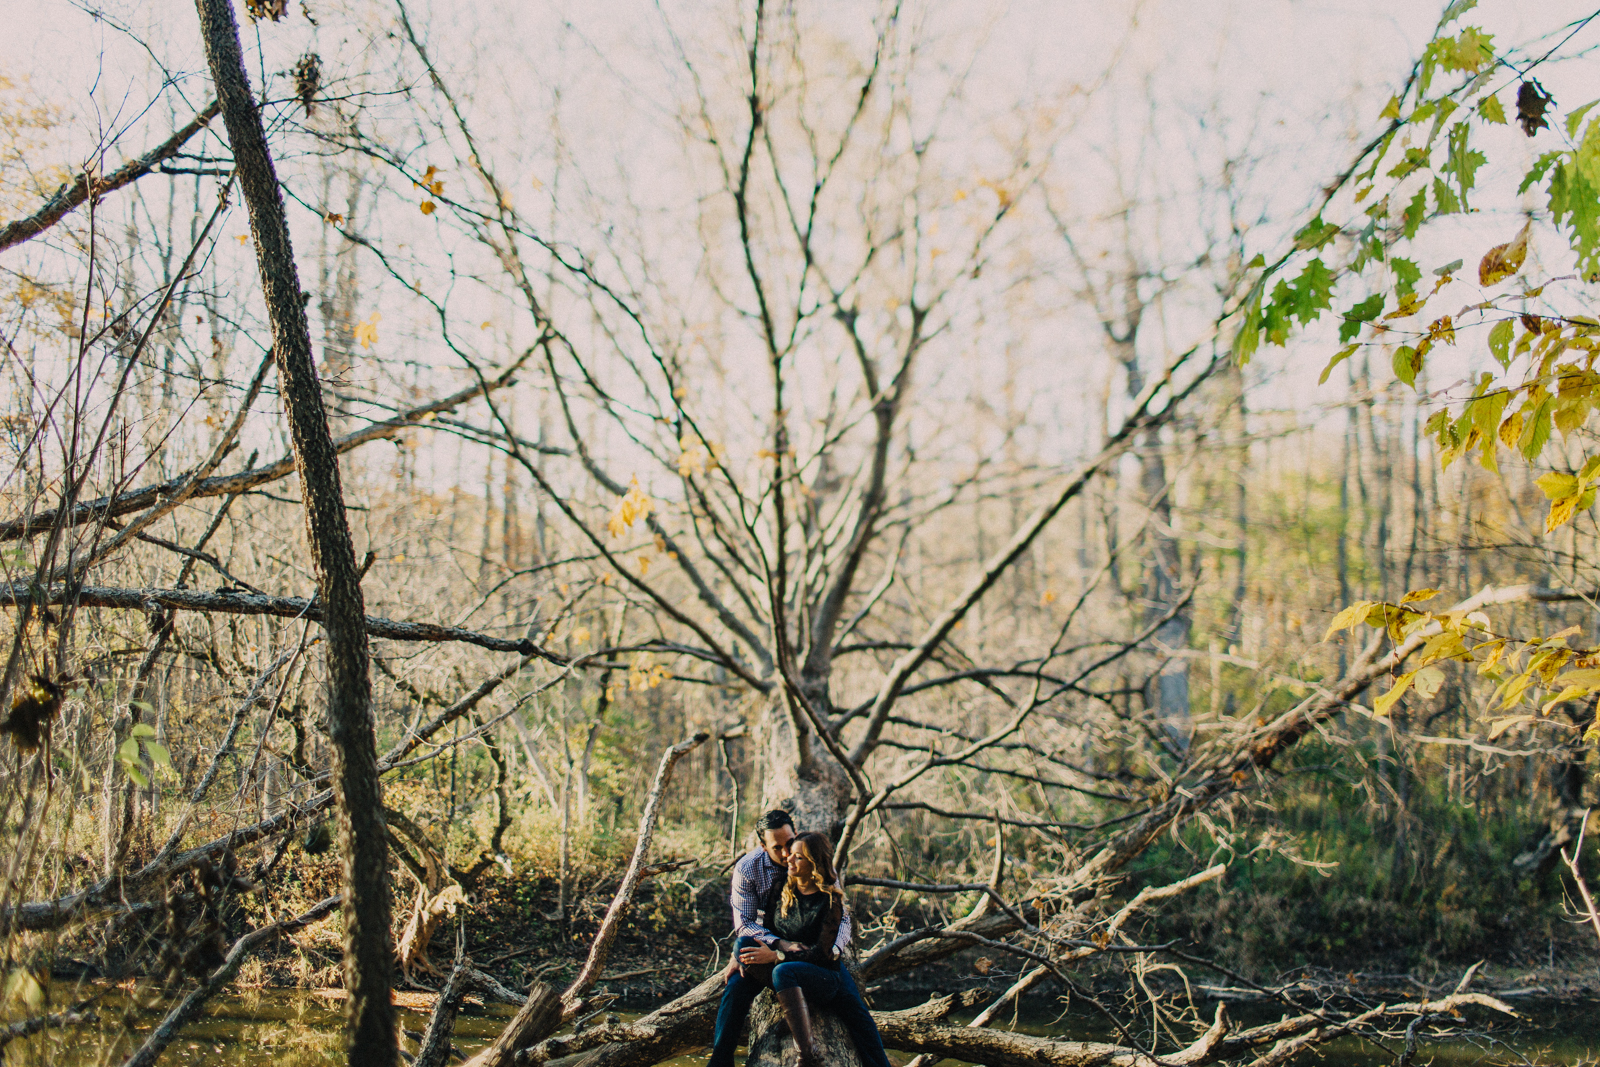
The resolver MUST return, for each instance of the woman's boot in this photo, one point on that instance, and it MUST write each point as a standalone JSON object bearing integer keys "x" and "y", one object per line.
{"x": 798, "y": 1016}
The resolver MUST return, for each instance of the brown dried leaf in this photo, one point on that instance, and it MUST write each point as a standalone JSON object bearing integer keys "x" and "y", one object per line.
{"x": 1532, "y": 103}
{"x": 1502, "y": 261}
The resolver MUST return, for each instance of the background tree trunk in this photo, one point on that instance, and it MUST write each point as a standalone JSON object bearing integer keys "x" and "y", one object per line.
{"x": 800, "y": 775}
{"x": 363, "y": 838}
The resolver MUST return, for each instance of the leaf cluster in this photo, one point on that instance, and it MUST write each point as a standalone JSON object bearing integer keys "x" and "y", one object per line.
{"x": 1532, "y": 677}
{"x": 1423, "y": 167}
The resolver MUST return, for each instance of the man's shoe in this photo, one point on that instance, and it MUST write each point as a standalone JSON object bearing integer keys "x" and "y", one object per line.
{"x": 798, "y": 1016}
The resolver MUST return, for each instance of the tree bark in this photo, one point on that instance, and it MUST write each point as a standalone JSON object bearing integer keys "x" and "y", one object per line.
{"x": 363, "y": 838}
{"x": 800, "y": 775}
{"x": 540, "y": 1014}
{"x": 771, "y": 1044}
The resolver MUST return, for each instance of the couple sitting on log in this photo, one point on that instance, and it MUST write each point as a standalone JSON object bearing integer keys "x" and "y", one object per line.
{"x": 793, "y": 929}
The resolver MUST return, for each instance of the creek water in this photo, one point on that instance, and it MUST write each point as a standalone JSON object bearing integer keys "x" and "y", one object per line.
{"x": 296, "y": 1028}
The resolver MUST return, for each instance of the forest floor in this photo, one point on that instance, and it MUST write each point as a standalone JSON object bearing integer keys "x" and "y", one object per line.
{"x": 676, "y": 934}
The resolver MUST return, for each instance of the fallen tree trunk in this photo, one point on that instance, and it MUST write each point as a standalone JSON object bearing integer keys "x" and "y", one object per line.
{"x": 772, "y": 1045}
{"x": 1288, "y": 1037}
{"x": 433, "y": 1050}
{"x": 672, "y": 1029}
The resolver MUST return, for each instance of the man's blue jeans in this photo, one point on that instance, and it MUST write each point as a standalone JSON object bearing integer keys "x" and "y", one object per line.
{"x": 737, "y": 996}
{"x": 825, "y": 989}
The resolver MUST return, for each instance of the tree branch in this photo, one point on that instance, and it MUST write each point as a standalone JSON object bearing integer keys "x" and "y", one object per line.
{"x": 70, "y": 196}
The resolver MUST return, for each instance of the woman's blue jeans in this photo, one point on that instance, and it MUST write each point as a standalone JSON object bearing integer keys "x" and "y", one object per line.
{"x": 836, "y": 993}
{"x": 825, "y": 989}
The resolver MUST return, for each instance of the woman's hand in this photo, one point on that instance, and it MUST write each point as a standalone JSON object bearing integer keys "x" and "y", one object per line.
{"x": 756, "y": 955}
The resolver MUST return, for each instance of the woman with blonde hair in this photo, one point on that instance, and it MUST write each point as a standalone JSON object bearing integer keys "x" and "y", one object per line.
{"x": 804, "y": 909}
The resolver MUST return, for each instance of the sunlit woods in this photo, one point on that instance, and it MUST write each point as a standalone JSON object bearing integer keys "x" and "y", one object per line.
{"x": 839, "y": 394}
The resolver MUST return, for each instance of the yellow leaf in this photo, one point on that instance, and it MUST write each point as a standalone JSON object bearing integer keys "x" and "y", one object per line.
{"x": 1417, "y": 595}
{"x": 243, "y": 237}
{"x": 581, "y": 635}
{"x": 1511, "y": 430}
{"x": 999, "y": 191}
{"x": 1502, "y": 261}
{"x": 367, "y": 332}
{"x": 1557, "y": 485}
{"x": 1385, "y": 703}
{"x": 336, "y": 219}
{"x": 1566, "y": 694}
{"x": 22, "y": 988}
{"x": 1515, "y": 688}
{"x": 1049, "y": 597}
{"x": 1561, "y": 513}
{"x": 1447, "y": 645}
{"x": 634, "y": 506}
{"x": 644, "y": 564}
{"x": 1589, "y": 677}
{"x": 1428, "y": 681}
{"x": 1500, "y": 726}
{"x": 693, "y": 458}
{"x": 428, "y": 207}
{"x": 1350, "y": 617}
{"x": 1410, "y": 304}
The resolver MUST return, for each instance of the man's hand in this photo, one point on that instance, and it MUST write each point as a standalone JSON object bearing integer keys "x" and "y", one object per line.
{"x": 755, "y": 956}
{"x": 733, "y": 967}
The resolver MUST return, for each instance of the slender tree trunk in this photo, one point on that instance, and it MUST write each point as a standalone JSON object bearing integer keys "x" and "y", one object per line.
{"x": 363, "y": 837}
{"x": 1342, "y": 553}
{"x": 1241, "y": 510}
{"x": 1163, "y": 568}
{"x": 1381, "y": 478}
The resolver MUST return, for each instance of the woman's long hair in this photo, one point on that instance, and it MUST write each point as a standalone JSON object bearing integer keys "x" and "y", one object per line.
{"x": 819, "y": 850}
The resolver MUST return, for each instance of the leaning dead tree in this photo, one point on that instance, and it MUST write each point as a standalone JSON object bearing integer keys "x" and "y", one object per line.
{"x": 363, "y": 838}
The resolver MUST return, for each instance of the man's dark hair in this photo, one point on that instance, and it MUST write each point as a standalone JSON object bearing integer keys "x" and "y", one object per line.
{"x": 774, "y": 819}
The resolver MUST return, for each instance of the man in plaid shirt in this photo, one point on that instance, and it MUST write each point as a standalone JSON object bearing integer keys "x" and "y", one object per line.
{"x": 753, "y": 876}
{"x": 754, "y": 945}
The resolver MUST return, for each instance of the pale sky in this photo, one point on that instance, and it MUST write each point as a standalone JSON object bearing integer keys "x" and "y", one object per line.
{"x": 1292, "y": 83}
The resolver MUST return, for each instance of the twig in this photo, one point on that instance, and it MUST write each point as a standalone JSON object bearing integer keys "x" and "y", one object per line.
{"x": 601, "y": 948}
{"x": 1589, "y": 911}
